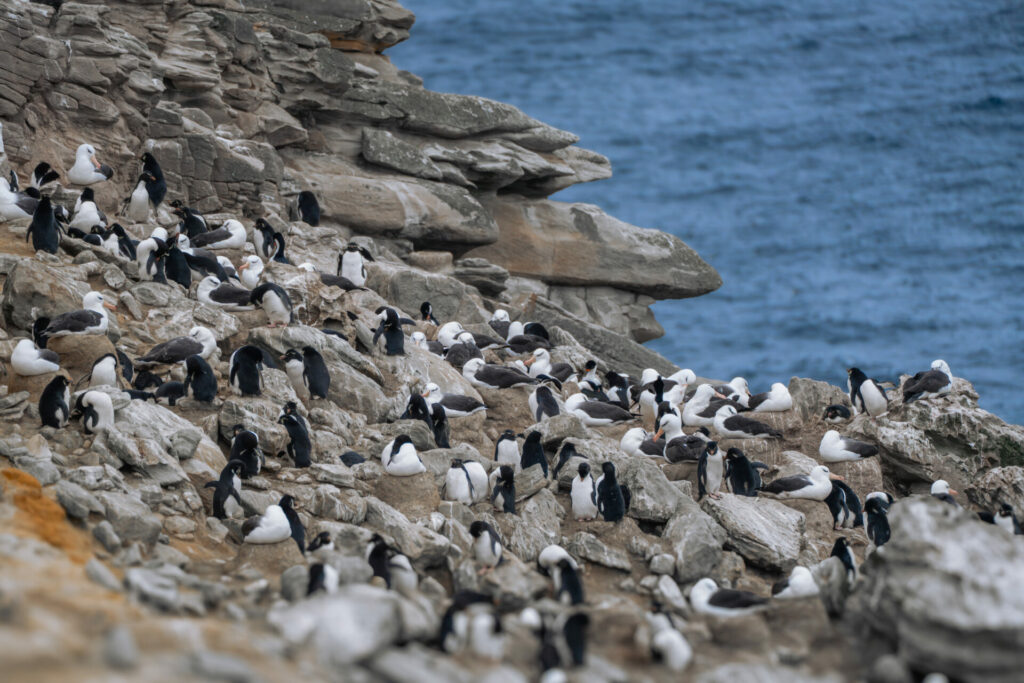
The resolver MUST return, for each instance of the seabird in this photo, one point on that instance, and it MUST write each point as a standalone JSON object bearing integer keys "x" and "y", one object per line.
{"x": 223, "y": 295}
{"x": 636, "y": 441}
{"x": 836, "y": 414}
{"x": 596, "y": 413}
{"x": 427, "y": 313}
{"x": 277, "y": 523}
{"x": 55, "y": 403}
{"x": 400, "y": 458}
{"x": 104, "y": 372}
{"x": 245, "y": 368}
{"x": 568, "y": 586}
{"x": 710, "y": 471}
{"x": 612, "y": 498}
{"x": 90, "y": 319}
{"x": 309, "y": 208}
{"x": 814, "y": 486}
{"x": 929, "y": 384}
{"x": 533, "y": 453}
{"x": 455, "y": 405}
{"x": 799, "y": 584}
{"x": 845, "y": 507}
{"x": 835, "y": 448}
{"x": 192, "y": 222}
{"x": 542, "y": 403}
{"x": 263, "y": 239}
{"x": 775, "y": 401}
{"x": 448, "y": 334}
{"x": 352, "y": 263}
{"x": 307, "y": 371}
{"x": 486, "y": 546}
{"x": 876, "y": 522}
{"x": 86, "y": 170}
{"x": 463, "y": 350}
{"x": 941, "y": 490}
{"x": 583, "y": 494}
{"x": 842, "y": 550}
{"x": 1005, "y": 519}
{"x": 231, "y": 235}
{"x": 14, "y": 204}
{"x": 696, "y": 411}
{"x": 732, "y": 426}
{"x": 494, "y": 376}
{"x": 245, "y": 447}
{"x": 540, "y": 364}
{"x": 736, "y": 389}
{"x": 136, "y": 206}
{"x": 499, "y": 322}
{"x": 390, "y": 325}
{"x": 275, "y": 303}
{"x": 885, "y": 499}
{"x": 227, "y": 500}
{"x": 506, "y": 449}
{"x": 250, "y": 271}
{"x": 707, "y": 598}
{"x": 679, "y": 446}
{"x": 96, "y": 409}
{"x": 157, "y": 186}
{"x": 29, "y": 361}
{"x": 44, "y": 230}
{"x": 299, "y": 447}
{"x": 527, "y": 343}
{"x": 200, "y": 382}
{"x": 741, "y": 474}
{"x": 169, "y": 393}
{"x": 866, "y": 395}
{"x": 419, "y": 340}
{"x": 148, "y": 253}
{"x": 200, "y": 341}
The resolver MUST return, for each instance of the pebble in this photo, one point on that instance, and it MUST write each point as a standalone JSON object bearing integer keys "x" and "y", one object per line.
{"x": 119, "y": 649}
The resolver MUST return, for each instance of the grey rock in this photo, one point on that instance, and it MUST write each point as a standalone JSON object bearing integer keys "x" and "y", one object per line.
{"x": 833, "y": 584}
{"x": 425, "y": 548}
{"x": 487, "y": 277}
{"x": 105, "y": 534}
{"x": 765, "y": 532}
{"x": 218, "y": 666}
{"x": 99, "y": 574}
{"x": 294, "y": 582}
{"x": 119, "y": 649}
{"x": 999, "y": 485}
{"x": 153, "y": 588}
{"x": 663, "y": 563}
{"x": 588, "y": 547}
{"x": 43, "y": 470}
{"x": 953, "y": 612}
{"x": 696, "y": 540}
{"x": 335, "y": 474}
{"x": 758, "y": 673}
{"x": 131, "y": 519}
{"x": 653, "y": 497}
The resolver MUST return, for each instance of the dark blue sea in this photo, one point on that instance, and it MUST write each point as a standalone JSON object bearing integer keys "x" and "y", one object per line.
{"x": 854, "y": 170}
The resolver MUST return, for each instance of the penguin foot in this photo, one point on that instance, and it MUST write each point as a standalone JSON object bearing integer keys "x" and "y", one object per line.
{"x": 484, "y": 570}
{"x": 716, "y": 496}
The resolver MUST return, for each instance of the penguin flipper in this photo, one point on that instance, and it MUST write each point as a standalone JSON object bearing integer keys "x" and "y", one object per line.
{"x": 626, "y": 495}
{"x": 702, "y": 476}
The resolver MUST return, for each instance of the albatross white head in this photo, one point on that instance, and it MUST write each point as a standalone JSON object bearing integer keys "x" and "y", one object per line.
{"x": 204, "y": 337}
{"x": 941, "y": 487}
{"x": 822, "y": 473}
{"x": 500, "y": 315}
{"x": 942, "y": 366}
{"x": 419, "y": 340}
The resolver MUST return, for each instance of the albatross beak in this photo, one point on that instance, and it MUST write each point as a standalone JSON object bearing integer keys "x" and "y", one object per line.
{"x": 425, "y": 394}
{"x": 952, "y": 492}
{"x": 529, "y": 361}
{"x": 109, "y": 306}
{"x": 244, "y": 265}
{"x": 94, "y": 162}
{"x": 658, "y": 434}
{"x": 835, "y": 476}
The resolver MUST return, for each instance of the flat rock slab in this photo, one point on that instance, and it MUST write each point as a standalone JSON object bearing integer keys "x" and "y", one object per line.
{"x": 766, "y": 533}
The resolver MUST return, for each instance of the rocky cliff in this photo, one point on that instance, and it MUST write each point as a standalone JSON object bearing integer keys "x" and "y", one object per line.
{"x": 112, "y": 563}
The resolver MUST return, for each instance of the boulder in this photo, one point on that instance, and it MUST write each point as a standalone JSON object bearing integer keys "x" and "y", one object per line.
{"x": 130, "y": 517}
{"x": 696, "y": 540}
{"x": 765, "y": 532}
{"x": 955, "y": 612}
{"x": 999, "y": 485}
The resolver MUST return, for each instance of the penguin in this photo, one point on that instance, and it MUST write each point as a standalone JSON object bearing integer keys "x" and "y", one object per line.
{"x": 487, "y": 546}
{"x": 43, "y": 229}
{"x": 351, "y": 458}
{"x": 104, "y": 372}
{"x": 54, "y": 403}
{"x": 42, "y": 175}
{"x": 136, "y": 206}
{"x": 417, "y": 409}
{"x": 836, "y": 414}
{"x": 146, "y": 380}
{"x": 1006, "y": 519}
{"x": 192, "y": 222}
{"x": 378, "y": 556}
{"x": 550, "y": 556}
{"x": 309, "y": 208}
{"x": 168, "y": 393}
{"x": 321, "y": 545}
{"x": 137, "y": 395}
{"x": 866, "y": 395}
{"x": 741, "y": 474}
{"x": 126, "y": 365}
{"x": 457, "y": 623}
{"x": 278, "y": 523}
{"x": 148, "y": 257}
{"x": 245, "y": 374}
{"x": 156, "y": 188}
{"x": 292, "y": 408}
{"x": 844, "y": 552}
{"x": 506, "y": 450}
{"x": 322, "y": 577}
{"x": 352, "y": 263}
{"x": 391, "y": 566}
{"x": 200, "y": 382}
{"x": 87, "y": 214}
{"x": 612, "y": 499}
{"x": 176, "y": 267}
{"x": 851, "y": 510}
{"x": 876, "y": 525}
{"x": 710, "y": 471}
{"x": 96, "y": 409}
{"x": 299, "y": 447}
{"x": 567, "y": 453}
{"x": 275, "y": 303}
{"x": 885, "y": 499}
{"x": 401, "y": 458}
{"x": 465, "y": 482}
{"x": 391, "y": 327}
{"x": 533, "y": 453}
{"x": 263, "y": 239}
{"x": 503, "y": 495}
{"x": 245, "y": 446}
{"x": 542, "y": 403}
{"x": 667, "y": 644}
{"x": 295, "y": 369}
{"x": 584, "y": 494}
{"x": 427, "y": 313}
{"x": 278, "y": 242}
{"x": 309, "y": 370}
{"x": 568, "y": 585}
{"x": 439, "y": 426}
{"x": 226, "y": 498}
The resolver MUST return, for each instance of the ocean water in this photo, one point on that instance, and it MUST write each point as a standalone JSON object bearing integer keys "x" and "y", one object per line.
{"x": 855, "y": 171}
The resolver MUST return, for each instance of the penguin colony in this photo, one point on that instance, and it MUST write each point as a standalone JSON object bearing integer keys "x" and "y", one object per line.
{"x": 651, "y": 411}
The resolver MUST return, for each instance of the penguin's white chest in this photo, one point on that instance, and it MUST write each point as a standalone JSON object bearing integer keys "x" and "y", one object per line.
{"x": 583, "y": 505}
{"x": 352, "y": 268}
{"x": 457, "y": 486}
{"x": 138, "y": 205}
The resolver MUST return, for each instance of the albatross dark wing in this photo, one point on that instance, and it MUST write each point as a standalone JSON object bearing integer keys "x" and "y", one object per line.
{"x": 73, "y": 321}
{"x": 788, "y": 484}
{"x": 924, "y": 382}
{"x": 171, "y": 351}
{"x": 728, "y": 598}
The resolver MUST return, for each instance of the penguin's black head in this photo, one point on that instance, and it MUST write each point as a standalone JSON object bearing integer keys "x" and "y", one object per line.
{"x": 506, "y": 473}
{"x": 292, "y": 354}
{"x": 61, "y": 380}
{"x": 352, "y": 246}
{"x": 323, "y": 538}
{"x": 583, "y": 469}
{"x": 401, "y": 440}
{"x": 1005, "y": 510}
{"x": 237, "y": 429}
{"x": 608, "y": 468}
{"x": 507, "y": 434}
{"x": 290, "y": 408}
{"x": 733, "y": 454}
{"x": 591, "y": 365}
{"x": 565, "y": 564}
{"x": 456, "y": 463}
{"x": 533, "y": 438}
{"x": 263, "y": 226}
{"x": 712, "y": 447}
{"x": 236, "y": 466}
{"x": 147, "y": 158}
{"x": 840, "y": 546}
{"x": 287, "y": 502}
{"x": 875, "y": 506}
{"x": 704, "y": 431}
{"x": 425, "y": 310}
{"x": 477, "y": 528}
{"x": 87, "y": 195}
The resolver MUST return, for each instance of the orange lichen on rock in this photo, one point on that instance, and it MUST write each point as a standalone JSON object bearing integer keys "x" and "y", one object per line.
{"x": 43, "y": 517}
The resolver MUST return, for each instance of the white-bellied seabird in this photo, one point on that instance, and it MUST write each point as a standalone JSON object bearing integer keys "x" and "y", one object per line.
{"x": 192, "y": 222}
{"x": 223, "y": 295}
{"x": 136, "y": 206}
{"x": 736, "y": 389}
{"x": 503, "y": 489}
{"x": 583, "y": 494}
{"x": 250, "y": 271}
{"x": 710, "y": 471}
{"x": 90, "y": 319}
{"x": 55, "y": 403}
{"x": 549, "y": 558}
{"x": 275, "y": 303}
{"x": 741, "y": 474}
{"x": 448, "y": 334}
{"x": 540, "y": 364}
{"x": 634, "y": 438}
{"x": 465, "y": 482}
{"x": 775, "y": 401}
{"x": 678, "y": 446}
{"x": 455, "y": 405}
{"x": 666, "y": 643}
{"x": 464, "y": 349}
{"x": 799, "y": 584}
{"x": 835, "y": 448}
{"x": 707, "y": 598}
{"x": 696, "y": 411}
{"x": 156, "y": 186}
{"x": 15, "y": 205}
{"x": 596, "y": 413}
{"x": 263, "y": 239}
{"x": 866, "y": 395}
{"x": 929, "y": 384}
{"x": 732, "y": 426}
{"x": 486, "y": 546}
{"x": 842, "y": 550}
{"x": 231, "y": 235}
{"x": 837, "y": 414}
{"x": 390, "y": 325}
{"x": 227, "y": 501}
{"x": 86, "y": 213}
{"x": 876, "y": 521}
{"x": 612, "y": 498}
{"x": 86, "y": 170}
{"x": 816, "y": 485}
{"x": 506, "y": 449}
{"x": 277, "y": 523}
{"x": 884, "y": 498}
{"x": 844, "y": 506}
{"x": 400, "y": 458}
{"x": 27, "y": 360}
{"x": 525, "y": 343}
{"x": 104, "y": 372}
{"x": 494, "y": 376}
{"x": 96, "y": 409}
{"x": 941, "y": 490}
{"x": 352, "y": 263}
{"x": 200, "y": 341}
{"x": 543, "y": 403}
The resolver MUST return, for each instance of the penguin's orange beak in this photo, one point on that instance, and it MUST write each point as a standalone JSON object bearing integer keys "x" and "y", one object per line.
{"x": 109, "y": 306}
